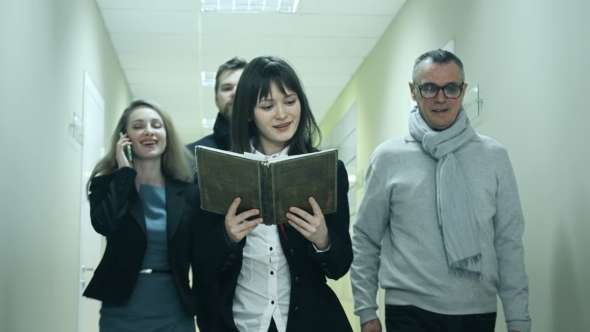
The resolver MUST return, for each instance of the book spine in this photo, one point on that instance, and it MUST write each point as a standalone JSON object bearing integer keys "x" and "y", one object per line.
{"x": 265, "y": 192}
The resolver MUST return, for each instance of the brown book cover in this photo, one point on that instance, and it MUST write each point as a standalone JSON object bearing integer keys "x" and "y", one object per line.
{"x": 271, "y": 186}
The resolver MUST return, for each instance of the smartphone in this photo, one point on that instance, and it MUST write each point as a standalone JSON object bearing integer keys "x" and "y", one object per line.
{"x": 127, "y": 148}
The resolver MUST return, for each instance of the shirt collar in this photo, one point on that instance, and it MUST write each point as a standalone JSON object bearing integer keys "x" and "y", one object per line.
{"x": 284, "y": 152}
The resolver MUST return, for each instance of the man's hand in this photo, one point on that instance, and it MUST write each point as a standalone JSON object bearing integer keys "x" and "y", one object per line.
{"x": 372, "y": 326}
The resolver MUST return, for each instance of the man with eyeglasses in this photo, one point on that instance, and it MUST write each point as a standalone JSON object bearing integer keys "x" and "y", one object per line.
{"x": 440, "y": 225}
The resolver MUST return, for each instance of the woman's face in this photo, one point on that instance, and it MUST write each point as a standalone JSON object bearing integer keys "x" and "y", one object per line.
{"x": 147, "y": 133}
{"x": 277, "y": 117}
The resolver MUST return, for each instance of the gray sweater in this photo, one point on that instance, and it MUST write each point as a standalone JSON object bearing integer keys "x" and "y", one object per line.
{"x": 398, "y": 244}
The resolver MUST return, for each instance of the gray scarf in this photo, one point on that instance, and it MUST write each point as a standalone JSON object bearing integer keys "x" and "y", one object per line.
{"x": 456, "y": 215}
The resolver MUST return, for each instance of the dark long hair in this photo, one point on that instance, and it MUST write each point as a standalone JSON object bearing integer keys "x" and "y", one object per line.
{"x": 255, "y": 83}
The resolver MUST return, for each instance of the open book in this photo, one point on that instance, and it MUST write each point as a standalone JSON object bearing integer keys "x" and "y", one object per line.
{"x": 271, "y": 186}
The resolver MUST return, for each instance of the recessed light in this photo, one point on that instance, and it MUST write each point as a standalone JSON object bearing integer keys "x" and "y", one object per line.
{"x": 250, "y": 6}
{"x": 208, "y": 78}
{"x": 208, "y": 123}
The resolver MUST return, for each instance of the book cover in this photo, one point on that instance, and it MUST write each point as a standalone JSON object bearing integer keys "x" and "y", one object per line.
{"x": 271, "y": 186}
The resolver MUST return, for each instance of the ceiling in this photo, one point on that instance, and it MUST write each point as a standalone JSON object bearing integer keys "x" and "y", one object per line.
{"x": 164, "y": 45}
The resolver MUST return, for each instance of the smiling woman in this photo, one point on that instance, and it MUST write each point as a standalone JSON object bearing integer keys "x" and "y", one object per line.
{"x": 143, "y": 208}
{"x": 276, "y": 280}
{"x": 146, "y": 129}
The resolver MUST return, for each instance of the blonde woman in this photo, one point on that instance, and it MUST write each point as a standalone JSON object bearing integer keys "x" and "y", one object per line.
{"x": 144, "y": 209}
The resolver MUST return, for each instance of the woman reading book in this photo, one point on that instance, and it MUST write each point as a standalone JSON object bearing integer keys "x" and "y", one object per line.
{"x": 141, "y": 199}
{"x": 273, "y": 278}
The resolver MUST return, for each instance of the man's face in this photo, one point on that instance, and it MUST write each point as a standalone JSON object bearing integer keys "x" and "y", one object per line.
{"x": 439, "y": 112}
{"x": 224, "y": 96}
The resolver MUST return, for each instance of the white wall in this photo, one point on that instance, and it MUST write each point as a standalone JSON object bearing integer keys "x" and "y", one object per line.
{"x": 530, "y": 58}
{"x": 45, "y": 47}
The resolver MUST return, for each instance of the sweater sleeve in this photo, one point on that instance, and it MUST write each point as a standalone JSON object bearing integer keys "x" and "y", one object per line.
{"x": 509, "y": 229}
{"x": 372, "y": 220}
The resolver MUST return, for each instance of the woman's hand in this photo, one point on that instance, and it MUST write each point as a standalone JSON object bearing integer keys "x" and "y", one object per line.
{"x": 311, "y": 227}
{"x": 236, "y": 226}
{"x": 122, "y": 160}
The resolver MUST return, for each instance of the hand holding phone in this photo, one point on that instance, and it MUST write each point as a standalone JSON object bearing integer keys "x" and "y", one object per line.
{"x": 127, "y": 148}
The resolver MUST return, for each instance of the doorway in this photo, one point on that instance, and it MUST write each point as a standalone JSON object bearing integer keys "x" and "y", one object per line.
{"x": 91, "y": 245}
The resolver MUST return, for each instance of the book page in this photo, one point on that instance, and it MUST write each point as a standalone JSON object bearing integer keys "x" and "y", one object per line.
{"x": 246, "y": 155}
{"x": 306, "y": 155}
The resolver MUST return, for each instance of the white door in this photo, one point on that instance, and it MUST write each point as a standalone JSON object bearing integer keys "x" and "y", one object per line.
{"x": 90, "y": 241}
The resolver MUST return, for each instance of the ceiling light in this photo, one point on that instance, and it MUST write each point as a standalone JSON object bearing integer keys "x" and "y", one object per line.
{"x": 208, "y": 123}
{"x": 208, "y": 78}
{"x": 250, "y": 6}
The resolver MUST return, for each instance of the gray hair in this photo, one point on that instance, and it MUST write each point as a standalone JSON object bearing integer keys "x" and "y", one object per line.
{"x": 437, "y": 56}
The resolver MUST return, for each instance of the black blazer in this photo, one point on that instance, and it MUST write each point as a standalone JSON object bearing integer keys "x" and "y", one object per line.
{"x": 313, "y": 305}
{"x": 206, "y": 287}
{"x": 117, "y": 213}
{"x": 220, "y": 139}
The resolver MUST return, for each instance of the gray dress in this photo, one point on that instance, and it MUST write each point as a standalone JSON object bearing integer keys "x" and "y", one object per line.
{"x": 154, "y": 304}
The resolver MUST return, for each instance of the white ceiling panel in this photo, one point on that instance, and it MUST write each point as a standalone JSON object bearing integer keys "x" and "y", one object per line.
{"x": 351, "y": 7}
{"x": 151, "y": 21}
{"x": 164, "y": 77}
{"x": 325, "y": 65}
{"x": 327, "y": 47}
{"x": 163, "y": 5}
{"x": 160, "y": 61}
{"x": 164, "y": 45}
{"x": 211, "y": 62}
{"x": 255, "y": 25}
{"x": 339, "y": 25}
{"x": 237, "y": 44}
{"x": 152, "y": 43}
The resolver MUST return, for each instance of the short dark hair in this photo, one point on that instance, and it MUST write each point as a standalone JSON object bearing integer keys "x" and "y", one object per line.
{"x": 233, "y": 64}
{"x": 437, "y": 56}
{"x": 255, "y": 84}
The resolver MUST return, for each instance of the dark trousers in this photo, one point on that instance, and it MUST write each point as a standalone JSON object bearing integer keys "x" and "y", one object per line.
{"x": 401, "y": 318}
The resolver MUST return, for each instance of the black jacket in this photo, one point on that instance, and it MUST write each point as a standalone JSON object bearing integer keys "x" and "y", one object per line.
{"x": 117, "y": 213}
{"x": 220, "y": 139}
{"x": 313, "y": 305}
{"x": 203, "y": 284}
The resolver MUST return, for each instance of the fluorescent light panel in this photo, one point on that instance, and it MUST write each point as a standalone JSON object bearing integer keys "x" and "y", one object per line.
{"x": 250, "y": 6}
{"x": 208, "y": 123}
{"x": 208, "y": 78}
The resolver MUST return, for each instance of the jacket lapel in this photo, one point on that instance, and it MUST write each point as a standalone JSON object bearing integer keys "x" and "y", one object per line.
{"x": 136, "y": 210}
{"x": 175, "y": 204}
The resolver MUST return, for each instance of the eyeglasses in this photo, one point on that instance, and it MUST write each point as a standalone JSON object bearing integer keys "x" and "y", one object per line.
{"x": 451, "y": 91}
